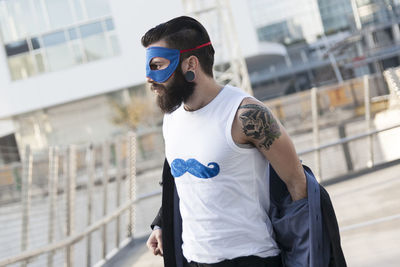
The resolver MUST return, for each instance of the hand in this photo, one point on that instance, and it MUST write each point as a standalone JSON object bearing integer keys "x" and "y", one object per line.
{"x": 154, "y": 243}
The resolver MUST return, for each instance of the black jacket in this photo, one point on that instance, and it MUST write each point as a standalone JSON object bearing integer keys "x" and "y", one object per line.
{"x": 304, "y": 239}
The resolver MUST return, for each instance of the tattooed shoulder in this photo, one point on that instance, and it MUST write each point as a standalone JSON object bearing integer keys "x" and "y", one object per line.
{"x": 259, "y": 124}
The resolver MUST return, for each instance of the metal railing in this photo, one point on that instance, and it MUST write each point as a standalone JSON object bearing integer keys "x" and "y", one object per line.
{"x": 367, "y": 110}
{"x": 317, "y": 150}
{"x": 50, "y": 213}
{"x": 23, "y": 257}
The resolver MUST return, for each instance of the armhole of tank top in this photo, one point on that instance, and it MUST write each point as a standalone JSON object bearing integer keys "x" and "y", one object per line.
{"x": 163, "y": 127}
{"x": 228, "y": 129}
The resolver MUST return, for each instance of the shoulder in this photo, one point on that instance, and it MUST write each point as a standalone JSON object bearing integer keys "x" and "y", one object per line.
{"x": 257, "y": 123}
{"x": 252, "y": 109}
{"x": 247, "y": 101}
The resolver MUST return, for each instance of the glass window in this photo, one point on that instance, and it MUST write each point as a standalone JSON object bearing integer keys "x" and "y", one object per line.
{"x": 5, "y": 28}
{"x": 109, "y": 24}
{"x": 59, "y": 12}
{"x": 90, "y": 29}
{"x": 79, "y": 13}
{"x": 97, "y": 8}
{"x": 96, "y": 47}
{"x": 73, "y": 34}
{"x": 54, "y": 38}
{"x": 40, "y": 63}
{"x": 59, "y": 57}
{"x": 39, "y": 10}
{"x": 77, "y": 52}
{"x": 21, "y": 66}
{"x": 17, "y": 48}
{"x": 20, "y": 18}
{"x": 115, "y": 44}
{"x": 35, "y": 43}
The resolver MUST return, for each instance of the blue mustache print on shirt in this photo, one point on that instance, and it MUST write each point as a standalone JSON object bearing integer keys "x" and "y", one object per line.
{"x": 179, "y": 167}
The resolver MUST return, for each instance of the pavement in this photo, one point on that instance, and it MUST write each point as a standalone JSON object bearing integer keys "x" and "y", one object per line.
{"x": 135, "y": 254}
{"x": 147, "y": 259}
{"x": 368, "y": 212}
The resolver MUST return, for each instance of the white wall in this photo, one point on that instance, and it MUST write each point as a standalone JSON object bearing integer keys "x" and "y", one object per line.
{"x": 132, "y": 19}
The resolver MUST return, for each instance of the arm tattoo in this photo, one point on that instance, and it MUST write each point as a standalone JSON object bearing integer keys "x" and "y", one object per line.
{"x": 259, "y": 123}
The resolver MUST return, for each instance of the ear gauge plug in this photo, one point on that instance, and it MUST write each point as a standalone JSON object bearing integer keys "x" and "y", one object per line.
{"x": 189, "y": 76}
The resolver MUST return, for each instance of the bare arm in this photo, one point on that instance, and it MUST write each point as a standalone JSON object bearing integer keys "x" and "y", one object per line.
{"x": 255, "y": 124}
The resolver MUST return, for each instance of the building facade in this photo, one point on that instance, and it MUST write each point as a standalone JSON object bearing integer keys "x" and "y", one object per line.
{"x": 296, "y": 19}
{"x": 354, "y": 37}
{"x": 336, "y": 15}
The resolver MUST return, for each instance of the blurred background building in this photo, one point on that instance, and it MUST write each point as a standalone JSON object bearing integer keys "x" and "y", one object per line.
{"x": 326, "y": 42}
{"x": 69, "y": 67}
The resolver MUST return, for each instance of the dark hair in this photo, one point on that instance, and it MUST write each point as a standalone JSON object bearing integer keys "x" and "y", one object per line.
{"x": 184, "y": 33}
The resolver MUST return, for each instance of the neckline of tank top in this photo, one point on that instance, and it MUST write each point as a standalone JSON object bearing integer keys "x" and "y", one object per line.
{"x": 206, "y": 107}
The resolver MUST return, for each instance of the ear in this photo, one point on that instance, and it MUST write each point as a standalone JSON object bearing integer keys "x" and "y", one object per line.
{"x": 191, "y": 63}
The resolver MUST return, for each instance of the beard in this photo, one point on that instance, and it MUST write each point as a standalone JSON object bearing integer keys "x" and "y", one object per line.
{"x": 175, "y": 93}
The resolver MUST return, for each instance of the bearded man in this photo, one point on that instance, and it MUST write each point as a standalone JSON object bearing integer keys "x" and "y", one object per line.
{"x": 222, "y": 147}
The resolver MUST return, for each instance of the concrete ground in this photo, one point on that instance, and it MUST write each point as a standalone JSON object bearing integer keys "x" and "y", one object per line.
{"x": 368, "y": 211}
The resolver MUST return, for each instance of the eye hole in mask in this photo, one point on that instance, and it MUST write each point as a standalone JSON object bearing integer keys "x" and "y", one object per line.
{"x": 159, "y": 63}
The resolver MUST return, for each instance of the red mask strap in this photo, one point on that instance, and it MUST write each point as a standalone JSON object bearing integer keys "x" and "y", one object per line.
{"x": 197, "y": 47}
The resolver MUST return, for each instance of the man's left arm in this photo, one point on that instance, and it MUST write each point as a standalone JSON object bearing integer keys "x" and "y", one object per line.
{"x": 254, "y": 123}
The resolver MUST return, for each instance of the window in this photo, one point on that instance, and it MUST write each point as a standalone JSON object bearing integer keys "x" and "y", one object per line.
{"x": 109, "y": 24}
{"x": 59, "y": 12}
{"x": 17, "y": 48}
{"x": 77, "y": 53}
{"x": 72, "y": 34}
{"x": 35, "y": 43}
{"x": 21, "y": 18}
{"x": 40, "y": 67}
{"x": 94, "y": 41}
{"x": 79, "y": 10}
{"x": 40, "y": 15}
{"x": 30, "y": 47}
{"x": 59, "y": 57}
{"x": 21, "y": 66}
{"x": 97, "y": 8}
{"x": 114, "y": 44}
{"x": 54, "y": 38}
{"x": 90, "y": 29}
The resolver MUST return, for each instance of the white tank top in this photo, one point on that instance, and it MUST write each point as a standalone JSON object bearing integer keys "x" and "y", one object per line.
{"x": 223, "y": 189}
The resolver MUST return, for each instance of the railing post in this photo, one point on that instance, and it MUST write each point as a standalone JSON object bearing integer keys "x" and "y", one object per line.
{"x": 367, "y": 109}
{"x": 26, "y": 198}
{"x": 118, "y": 178}
{"x": 71, "y": 187}
{"x": 90, "y": 164}
{"x": 53, "y": 188}
{"x": 132, "y": 179}
{"x": 317, "y": 153}
{"x": 106, "y": 161}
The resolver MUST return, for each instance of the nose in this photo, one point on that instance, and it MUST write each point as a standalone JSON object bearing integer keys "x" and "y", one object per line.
{"x": 149, "y": 80}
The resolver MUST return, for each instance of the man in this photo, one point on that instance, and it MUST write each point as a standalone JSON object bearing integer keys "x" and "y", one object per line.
{"x": 219, "y": 143}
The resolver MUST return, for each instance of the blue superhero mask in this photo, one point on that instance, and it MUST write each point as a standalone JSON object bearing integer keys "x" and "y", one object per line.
{"x": 172, "y": 55}
{"x": 163, "y": 75}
